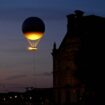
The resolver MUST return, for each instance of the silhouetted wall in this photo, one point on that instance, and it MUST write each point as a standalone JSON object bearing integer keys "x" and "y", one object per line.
{"x": 79, "y": 60}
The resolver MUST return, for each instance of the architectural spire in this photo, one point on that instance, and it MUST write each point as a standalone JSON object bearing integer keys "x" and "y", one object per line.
{"x": 54, "y": 46}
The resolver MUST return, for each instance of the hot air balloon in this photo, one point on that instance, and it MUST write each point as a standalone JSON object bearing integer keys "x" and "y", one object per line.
{"x": 33, "y": 29}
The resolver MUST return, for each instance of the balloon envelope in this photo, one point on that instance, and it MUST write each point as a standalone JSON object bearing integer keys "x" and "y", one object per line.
{"x": 33, "y": 28}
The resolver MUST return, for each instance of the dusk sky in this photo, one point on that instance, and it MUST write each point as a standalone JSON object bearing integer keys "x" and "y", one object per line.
{"x": 20, "y": 68}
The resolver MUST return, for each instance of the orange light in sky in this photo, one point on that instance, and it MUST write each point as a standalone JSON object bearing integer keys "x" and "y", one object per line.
{"x": 33, "y": 35}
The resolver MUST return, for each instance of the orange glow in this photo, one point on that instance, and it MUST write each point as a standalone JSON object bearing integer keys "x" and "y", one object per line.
{"x": 32, "y": 48}
{"x": 33, "y": 35}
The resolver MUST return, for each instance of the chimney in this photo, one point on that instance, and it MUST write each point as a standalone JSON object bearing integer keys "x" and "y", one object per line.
{"x": 73, "y": 21}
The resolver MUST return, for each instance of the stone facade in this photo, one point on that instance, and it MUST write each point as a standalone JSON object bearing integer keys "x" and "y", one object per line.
{"x": 75, "y": 55}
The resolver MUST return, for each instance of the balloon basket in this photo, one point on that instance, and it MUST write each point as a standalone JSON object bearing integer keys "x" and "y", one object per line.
{"x": 32, "y": 48}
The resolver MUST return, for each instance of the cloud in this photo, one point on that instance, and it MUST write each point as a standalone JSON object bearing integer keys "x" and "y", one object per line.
{"x": 12, "y": 87}
{"x": 43, "y": 74}
{"x": 15, "y": 77}
{"x": 47, "y": 73}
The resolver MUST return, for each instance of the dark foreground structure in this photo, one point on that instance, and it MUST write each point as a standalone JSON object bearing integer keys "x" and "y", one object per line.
{"x": 33, "y": 96}
{"x": 78, "y": 63}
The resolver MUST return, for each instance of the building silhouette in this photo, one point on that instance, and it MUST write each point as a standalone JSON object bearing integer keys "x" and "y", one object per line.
{"x": 78, "y": 63}
{"x": 32, "y": 96}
